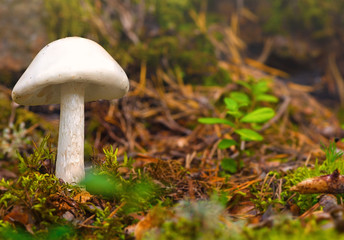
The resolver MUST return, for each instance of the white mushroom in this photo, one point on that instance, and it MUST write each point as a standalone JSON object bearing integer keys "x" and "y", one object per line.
{"x": 71, "y": 71}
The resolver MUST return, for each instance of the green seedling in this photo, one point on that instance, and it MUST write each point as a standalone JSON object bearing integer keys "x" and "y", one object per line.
{"x": 245, "y": 114}
{"x": 115, "y": 180}
{"x": 34, "y": 162}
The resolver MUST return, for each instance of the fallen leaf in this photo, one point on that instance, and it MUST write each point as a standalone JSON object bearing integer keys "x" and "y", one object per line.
{"x": 82, "y": 197}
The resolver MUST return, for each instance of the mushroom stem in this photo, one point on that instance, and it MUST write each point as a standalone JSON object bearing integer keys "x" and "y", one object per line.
{"x": 70, "y": 152}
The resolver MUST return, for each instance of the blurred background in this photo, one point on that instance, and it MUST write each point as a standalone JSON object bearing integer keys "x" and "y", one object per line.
{"x": 196, "y": 38}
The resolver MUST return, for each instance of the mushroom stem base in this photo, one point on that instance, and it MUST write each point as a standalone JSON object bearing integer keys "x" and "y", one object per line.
{"x": 70, "y": 152}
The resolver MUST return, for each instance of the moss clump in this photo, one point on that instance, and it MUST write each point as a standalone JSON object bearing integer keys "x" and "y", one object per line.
{"x": 120, "y": 181}
{"x": 286, "y": 228}
{"x": 195, "y": 220}
{"x": 333, "y": 161}
{"x": 34, "y": 199}
{"x": 45, "y": 206}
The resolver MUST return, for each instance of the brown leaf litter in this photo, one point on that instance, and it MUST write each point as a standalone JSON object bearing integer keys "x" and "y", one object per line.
{"x": 156, "y": 125}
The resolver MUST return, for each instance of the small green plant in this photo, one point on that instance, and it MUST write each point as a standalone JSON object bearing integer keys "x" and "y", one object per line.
{"x": 195, "y": 220}
{"x": 285, "y": 227}
{"x": 244, "y": 115}
{"x": 31, "y": 200}
{"x": 121, "y": 182}
{"x": 112, "y": 165}
{"x": 34, "y": 162}
{"x": 54, "y": 233}
{"x": 32, "y": 195}
{"x": 33, "y": 205}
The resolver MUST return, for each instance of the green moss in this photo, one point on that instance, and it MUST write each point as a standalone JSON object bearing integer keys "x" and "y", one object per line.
{"x": 111, "y": 181}
{"x": 318, "y": 18}
{"x": 168, "y": 38}
{"x": 333, "y": 161}
{"x": 69, "y": 18}
{"x": 40, "y": 195}
{"x": 44, "y": 199}
{"x": 196, "y": 220}
{"x": 285, "y": 228}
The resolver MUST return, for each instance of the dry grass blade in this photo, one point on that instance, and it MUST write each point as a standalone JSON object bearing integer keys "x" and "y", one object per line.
{"x": 337, "y": 76}
{"x": 267, "y": 69}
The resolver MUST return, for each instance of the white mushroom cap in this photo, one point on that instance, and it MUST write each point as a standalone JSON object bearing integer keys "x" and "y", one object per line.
{"x": 67, "y": 60}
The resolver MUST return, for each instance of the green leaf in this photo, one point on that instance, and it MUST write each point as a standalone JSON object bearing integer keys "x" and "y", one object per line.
{"x": 266, "y": 98}
{"x": 226, "y": 143}
{"x": 231, "y": 104}
{"x": 241, "y": 98}
{"x": 256, "y": 126}
{"x": 244, "y": 84}
{"x": 102, "y": 185}
{"x": 235, "y": 114}
{"x": 259, "y": 115}
{"x": 215, "y": 121}
{"x": 260, "y": 87}
{"x": 229, "y": 164}
{"x": 248, "y": 134}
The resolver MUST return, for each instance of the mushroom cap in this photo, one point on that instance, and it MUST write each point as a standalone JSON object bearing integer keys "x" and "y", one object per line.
{"x": 71, "y": 59}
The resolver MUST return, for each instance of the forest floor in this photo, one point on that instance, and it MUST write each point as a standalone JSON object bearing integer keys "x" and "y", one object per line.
{"x": 212, "y": 140}
{"x": 168, "y": 178}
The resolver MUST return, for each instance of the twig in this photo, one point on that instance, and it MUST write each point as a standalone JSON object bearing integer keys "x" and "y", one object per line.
{"x": 243, "y": 185}
{"x": 116, "y": 210}
{"x": 266, "y": 50}
{"x": 310, "y": 211}
{"x": 90, "y": 226}
{"x": 308, "y": 158}
{"x": 86, "y": 220}
{"x": 337, "y": 76}
{"x": 278, "y": 115}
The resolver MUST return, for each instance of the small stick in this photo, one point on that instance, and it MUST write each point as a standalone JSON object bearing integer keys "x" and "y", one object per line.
{"x": 116, "y": 210}
{"x": 278, "y": 115}
{"x": 86, "y": 220}
{"x": 312, "y": 209}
